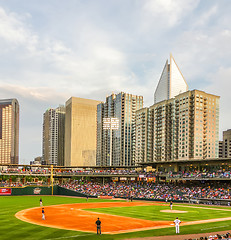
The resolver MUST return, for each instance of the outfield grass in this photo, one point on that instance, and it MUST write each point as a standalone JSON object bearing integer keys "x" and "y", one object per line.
{"x": 13, "y": 228}
{"x": 153, "y": 213}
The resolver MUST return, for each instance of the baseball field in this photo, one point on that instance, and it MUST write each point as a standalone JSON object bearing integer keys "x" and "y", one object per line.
{"x": 74, "y": 218}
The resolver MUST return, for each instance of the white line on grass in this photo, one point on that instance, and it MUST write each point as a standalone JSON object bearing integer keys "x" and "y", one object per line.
{"x": 70, "y": 236}
{"x": 215, "y": 227}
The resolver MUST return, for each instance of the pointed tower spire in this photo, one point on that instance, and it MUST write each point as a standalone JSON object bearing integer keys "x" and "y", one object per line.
{"x": 171, "y": 82}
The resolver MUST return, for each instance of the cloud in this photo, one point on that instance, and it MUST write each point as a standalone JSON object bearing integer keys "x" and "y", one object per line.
{"x": 50, "y": 63}
{"x": 201, "y": 53}
{"x": 220, "y": 85}
{"x": 206, "y": 16}
{"x": 44, "y": 94}
{"x": 12, "y": 30}
{"x": 170, "y": 11}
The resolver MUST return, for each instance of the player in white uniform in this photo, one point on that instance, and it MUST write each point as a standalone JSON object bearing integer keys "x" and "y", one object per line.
{"x": 41, "y": 202}
{"x": 177, "y": 225}
{"x": 43, "y": 214}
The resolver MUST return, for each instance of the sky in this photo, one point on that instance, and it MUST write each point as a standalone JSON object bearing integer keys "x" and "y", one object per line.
{"x": 52, "y": 50}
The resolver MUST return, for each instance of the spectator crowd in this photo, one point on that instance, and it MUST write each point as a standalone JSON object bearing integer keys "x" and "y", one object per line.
{"x": 158, "y": 191}
{"x": 213, "y": 237}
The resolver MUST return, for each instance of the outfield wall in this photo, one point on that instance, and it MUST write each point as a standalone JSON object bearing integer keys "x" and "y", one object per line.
{"x": 37, "y": 190}
{"x": 33, "y": 190}
{"x": 68, "y": 192}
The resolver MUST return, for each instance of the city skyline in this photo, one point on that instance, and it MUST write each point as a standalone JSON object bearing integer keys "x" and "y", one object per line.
{"x": 55, "y": 50}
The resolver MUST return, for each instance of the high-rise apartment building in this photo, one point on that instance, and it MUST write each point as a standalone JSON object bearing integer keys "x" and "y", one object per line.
{"x": 9, "y": 131}
{"x": 117, "y": 147}
{"x": 182, "y": 128}
{"x": 181, "y": 125}
{"x": 171, "y": 82}
{"x": 53, "y": 136}
{"x": 80, "y": 132}
{"x": 225, "y": 145}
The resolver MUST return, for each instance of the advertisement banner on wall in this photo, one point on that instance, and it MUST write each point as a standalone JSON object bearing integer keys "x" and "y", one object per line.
{"x": 37, "y": 190}
{"x": 5, "y": 191}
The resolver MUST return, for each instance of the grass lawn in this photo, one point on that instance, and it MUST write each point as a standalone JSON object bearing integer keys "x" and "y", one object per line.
{"x": 13, "y": 228}
{"x": 153, "y": 213}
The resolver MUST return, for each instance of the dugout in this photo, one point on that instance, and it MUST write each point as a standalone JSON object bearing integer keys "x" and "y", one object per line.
{"x": 209, "y": 201}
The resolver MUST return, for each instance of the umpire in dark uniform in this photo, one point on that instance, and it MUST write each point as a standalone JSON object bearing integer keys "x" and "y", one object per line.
{"x": 98, "y": 224}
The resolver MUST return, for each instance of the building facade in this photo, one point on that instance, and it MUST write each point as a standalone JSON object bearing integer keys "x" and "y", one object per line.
{"x": 53, "y": 136}
{"x": 225, "y": 145}
{"x": 9, "y": 132}
{"x": 220, "y": 149}
{"x": 116, "y": 147}
{"x": 80, "y": 132}
{"x": 182, "y": 128}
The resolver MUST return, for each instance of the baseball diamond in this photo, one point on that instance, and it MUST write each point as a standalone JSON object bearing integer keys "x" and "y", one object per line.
{"x": 74, "y": 218}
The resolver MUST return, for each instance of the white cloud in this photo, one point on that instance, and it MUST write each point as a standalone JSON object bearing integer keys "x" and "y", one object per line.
{"x": 170, "y": 11}
{"x": 220, "y": 84}
{"x": 201, "y": 52}
{"x": 206, "y": 16}
{"x": 50, "y": 63}
{"x": 41, "y": 94}
{"x": 12, "y": 30}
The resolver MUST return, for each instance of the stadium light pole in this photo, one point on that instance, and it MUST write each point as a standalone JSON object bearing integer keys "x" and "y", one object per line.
{"x": 110, "y": 124}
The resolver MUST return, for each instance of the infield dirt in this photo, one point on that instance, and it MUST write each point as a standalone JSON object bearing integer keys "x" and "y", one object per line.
{"x": 75, "y": 217}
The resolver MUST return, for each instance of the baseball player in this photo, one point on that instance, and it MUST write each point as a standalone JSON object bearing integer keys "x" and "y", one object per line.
{"x": 43, "y": 214}
{"x": 98, "y": 224}
{"x": 41, "y": 202}
{"x": 170, "y": 205}
{"x": 177, "y": 225}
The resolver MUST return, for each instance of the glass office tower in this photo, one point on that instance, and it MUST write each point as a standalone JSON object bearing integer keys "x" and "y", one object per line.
{"x": 9, "y": 131}
{"x": 123, "y": 107}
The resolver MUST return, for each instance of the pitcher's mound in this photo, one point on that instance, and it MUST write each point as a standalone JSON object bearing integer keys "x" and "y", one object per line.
{"x": 173, "y": 211}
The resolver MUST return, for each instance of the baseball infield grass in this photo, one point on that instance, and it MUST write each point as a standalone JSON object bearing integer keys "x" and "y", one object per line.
{"x": 153, "y": 213}
{"x": 13, "y": 228}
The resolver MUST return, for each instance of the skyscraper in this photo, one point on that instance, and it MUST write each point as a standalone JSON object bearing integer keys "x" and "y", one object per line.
{"x": 9, "y": 131}
{"x": 181, "y": 125}
{"x": 80, "y": 132}
{"x": 53, "y": 136}
{"x": 116, "y": 147}
{"x": 182, "y": 128}
{"x": 226, "y": 144}
{"x": 171, "y": 82}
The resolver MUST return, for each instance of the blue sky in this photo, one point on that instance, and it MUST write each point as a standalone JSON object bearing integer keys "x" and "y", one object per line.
{"x": 52, "y": 50}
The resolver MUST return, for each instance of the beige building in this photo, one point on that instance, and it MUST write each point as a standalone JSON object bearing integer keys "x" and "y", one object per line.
{"x": 182, "y": 128}
{"x": 9, "y": 131}
{"x": 80, "y": 132}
